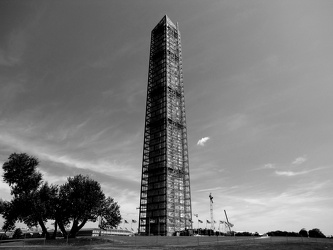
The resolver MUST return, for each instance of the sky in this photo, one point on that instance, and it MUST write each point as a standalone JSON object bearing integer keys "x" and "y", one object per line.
{"x": 258, "y": 95}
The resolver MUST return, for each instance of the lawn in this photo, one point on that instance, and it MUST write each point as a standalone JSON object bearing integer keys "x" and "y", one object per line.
{"x": 182, "y": 242}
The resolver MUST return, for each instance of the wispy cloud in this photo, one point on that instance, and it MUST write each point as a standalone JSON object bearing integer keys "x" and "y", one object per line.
{"x": 293, "y": 173}
{"x": 256, "y": 201}
{"x": 202, "y": 141}
{"x": 269, "y": 166}
{"x": 299, "y": 160}
{"x": 68, "y": 156}
{"x": 209, "y": 189}
{"x": 266, "y": 166}
{"x": 288, "y": 207}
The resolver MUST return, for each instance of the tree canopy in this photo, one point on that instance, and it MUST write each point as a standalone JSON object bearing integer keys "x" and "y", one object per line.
{"x": 21, "y": 175}
{"x": 25, "y": 182}
{"x": 81, "y": 199}
{"x": 316, "y": 233}
{"x": 109, "y": 214}
{"x": 303, "y": 232}
{"x": 34, "y": 201}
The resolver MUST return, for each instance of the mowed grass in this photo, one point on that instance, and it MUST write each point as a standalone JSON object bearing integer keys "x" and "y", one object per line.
{"x": 182, "y": 242}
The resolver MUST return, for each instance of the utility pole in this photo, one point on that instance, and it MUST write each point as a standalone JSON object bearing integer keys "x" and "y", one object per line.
{"x": 211, "y": 211}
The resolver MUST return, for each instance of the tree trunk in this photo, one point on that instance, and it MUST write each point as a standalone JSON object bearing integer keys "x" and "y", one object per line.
{"x": 82, "y": 224}
{"x": 54, "y": 236}
{"x": 74, "y": 229}
{"x": 44, "y": 229}
{"x": 62, "y": 229}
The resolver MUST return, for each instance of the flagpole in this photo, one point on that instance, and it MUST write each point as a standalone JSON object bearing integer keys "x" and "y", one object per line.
{"x": 198, "y": 227}
{"x": 197, "y": 215}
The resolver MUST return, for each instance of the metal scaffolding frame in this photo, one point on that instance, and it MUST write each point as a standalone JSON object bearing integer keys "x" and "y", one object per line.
{"x": 165, "y": 200}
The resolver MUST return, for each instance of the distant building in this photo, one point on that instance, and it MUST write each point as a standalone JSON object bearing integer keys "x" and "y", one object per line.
{"x": 165, "y": 202}
{"x": 107, "y": 232}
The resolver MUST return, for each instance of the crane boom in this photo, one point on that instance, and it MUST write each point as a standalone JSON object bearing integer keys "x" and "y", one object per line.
{"x": 226, "y": 216}
{"x": 211, "y": 211}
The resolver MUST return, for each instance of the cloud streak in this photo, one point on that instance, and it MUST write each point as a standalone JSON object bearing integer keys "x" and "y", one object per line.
{"x": 202, "y": 142}
{"x": 293, "y": 173}
{"x": 265, "y": 166}
{"x": 299, "y": 160}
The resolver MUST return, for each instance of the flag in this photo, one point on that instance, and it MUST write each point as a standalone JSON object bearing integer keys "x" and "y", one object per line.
{"x": 196, "y": 215}
{"x": 126, "y": 221}
{"x": 200, "y": 221}
{"x": 221, "y": 221}
{"x": 208, "y": 221}
{"x": 190, "y": 220}
{"x": 134, "y": 221}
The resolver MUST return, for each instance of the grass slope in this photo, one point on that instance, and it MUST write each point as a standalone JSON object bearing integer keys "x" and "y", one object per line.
{"x": 184, "y": 243}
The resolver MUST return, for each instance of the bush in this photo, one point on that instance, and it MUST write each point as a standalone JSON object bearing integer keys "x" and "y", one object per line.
{"x": 283, "y": 233}
{"x": 243, "y": 234}
{"x": 3, "y": 236}
{"x": 18, "y": 234}
{"x": 303, "y": 233}
{"x": 316, "y": 233}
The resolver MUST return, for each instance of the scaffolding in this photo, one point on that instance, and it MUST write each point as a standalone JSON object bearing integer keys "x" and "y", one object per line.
{"x": 165, "y": 200}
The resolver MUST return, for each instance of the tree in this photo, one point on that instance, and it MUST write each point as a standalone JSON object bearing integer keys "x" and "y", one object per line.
{"x": 35, "y": 202}
{"x": 109, "y": 214}
{"x": 316, "y": 233}
{"x": 43, "y": 207}
{"x": 303, "y": 233}
{"x": 7, "y": 210}
{"x": 21, "y": 175}
{"x": 80, "y": 200}
{"x": 32, "y": 197}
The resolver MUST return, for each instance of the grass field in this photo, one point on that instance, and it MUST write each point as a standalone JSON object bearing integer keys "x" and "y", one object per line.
{"x": 185, "y": 243}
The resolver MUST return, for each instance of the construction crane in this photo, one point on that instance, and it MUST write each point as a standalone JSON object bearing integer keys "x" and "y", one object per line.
{"x": 228, "y": 223}
{"x": 211, "y": 212}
